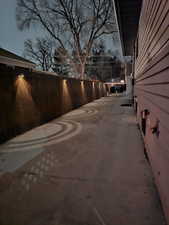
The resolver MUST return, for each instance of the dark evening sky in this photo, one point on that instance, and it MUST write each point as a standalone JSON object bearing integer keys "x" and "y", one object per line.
{"x": 11, "y": 38}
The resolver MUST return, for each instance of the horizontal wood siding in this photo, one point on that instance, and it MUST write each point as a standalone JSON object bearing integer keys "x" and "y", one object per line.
{"x": 152, "y": 89}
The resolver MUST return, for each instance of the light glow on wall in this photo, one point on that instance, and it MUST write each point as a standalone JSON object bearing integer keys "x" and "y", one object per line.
{"x": 21, "y": 76}
{"x": 25, "y": 106}
{"x": 83, "y": 91}
{"x": 66, "y": 98}
{"x": 64, "y": 81}
{"x": 94, "y": 90}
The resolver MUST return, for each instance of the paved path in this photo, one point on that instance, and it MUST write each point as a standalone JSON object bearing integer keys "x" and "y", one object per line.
{"x": 84, "y": 168}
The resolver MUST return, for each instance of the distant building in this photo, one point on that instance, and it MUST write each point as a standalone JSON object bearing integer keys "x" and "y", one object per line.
{"x": 105, "y": 68}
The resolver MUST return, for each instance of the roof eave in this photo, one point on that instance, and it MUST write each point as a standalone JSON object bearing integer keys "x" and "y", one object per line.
{"x": 14, "y": 62}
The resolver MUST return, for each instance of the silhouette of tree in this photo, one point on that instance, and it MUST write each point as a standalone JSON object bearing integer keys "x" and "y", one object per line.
{"x": 102, "y": 64}
{"x": 74, "y": 24}
{"x": 40, "y": 51}
{"x": 61, "y": 62}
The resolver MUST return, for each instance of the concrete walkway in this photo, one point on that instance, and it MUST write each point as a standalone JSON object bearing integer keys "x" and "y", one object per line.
{"x": 85, "y": 168}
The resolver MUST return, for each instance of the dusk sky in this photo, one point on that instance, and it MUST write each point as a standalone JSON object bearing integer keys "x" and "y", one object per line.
{"x": 11, "y": 38}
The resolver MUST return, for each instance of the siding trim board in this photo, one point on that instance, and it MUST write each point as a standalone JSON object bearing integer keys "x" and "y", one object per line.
{"x": 152, "y": 89}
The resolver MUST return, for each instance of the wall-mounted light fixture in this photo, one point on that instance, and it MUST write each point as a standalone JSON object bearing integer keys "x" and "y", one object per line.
{"x": 64, "y": 81}
{"x": 21, "y": 76}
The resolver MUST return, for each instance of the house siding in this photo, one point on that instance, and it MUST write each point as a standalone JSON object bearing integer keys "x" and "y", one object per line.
{"x": 151, "y": 90}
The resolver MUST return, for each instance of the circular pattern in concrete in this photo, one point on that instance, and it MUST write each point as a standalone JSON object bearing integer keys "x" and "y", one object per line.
{"x": 45, "y": 135}
{"x": 99, "y": 102}
{"x": 81, "y": 113}
{"x": 106, "y": 100}
{"x": 96, "y": 104}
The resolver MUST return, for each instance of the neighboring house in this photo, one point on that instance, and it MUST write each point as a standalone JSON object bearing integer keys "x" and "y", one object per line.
{"x": 10, "y": 59}
{"x": 147, "y": 40}
{"x": 104, "y": 67}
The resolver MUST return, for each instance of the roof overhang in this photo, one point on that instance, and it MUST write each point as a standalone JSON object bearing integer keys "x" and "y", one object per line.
{"x": 14, "y": 62}
{"x": 11, "y": 59}
{"x": 128, "y": 14}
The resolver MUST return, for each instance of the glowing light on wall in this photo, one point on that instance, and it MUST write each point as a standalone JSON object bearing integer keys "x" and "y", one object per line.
{"x": 83, "y": 92}
{"x": 21, "y": 76}
{"x": 64, "y": 81}
{"x": 66, "y": 98}
{"x": 94, "y": 90}
{"x": 25, "y": 106}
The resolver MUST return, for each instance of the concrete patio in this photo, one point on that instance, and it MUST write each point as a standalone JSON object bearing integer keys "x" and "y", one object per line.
{"x": 85, "y": 168}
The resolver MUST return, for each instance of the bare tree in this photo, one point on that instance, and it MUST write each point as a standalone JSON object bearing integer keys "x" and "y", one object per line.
{"x": 100, "y": 63}
{"x": 41, "y": 51}
{"x": 74, "y": 24}
{"x": 61, "y": 63}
